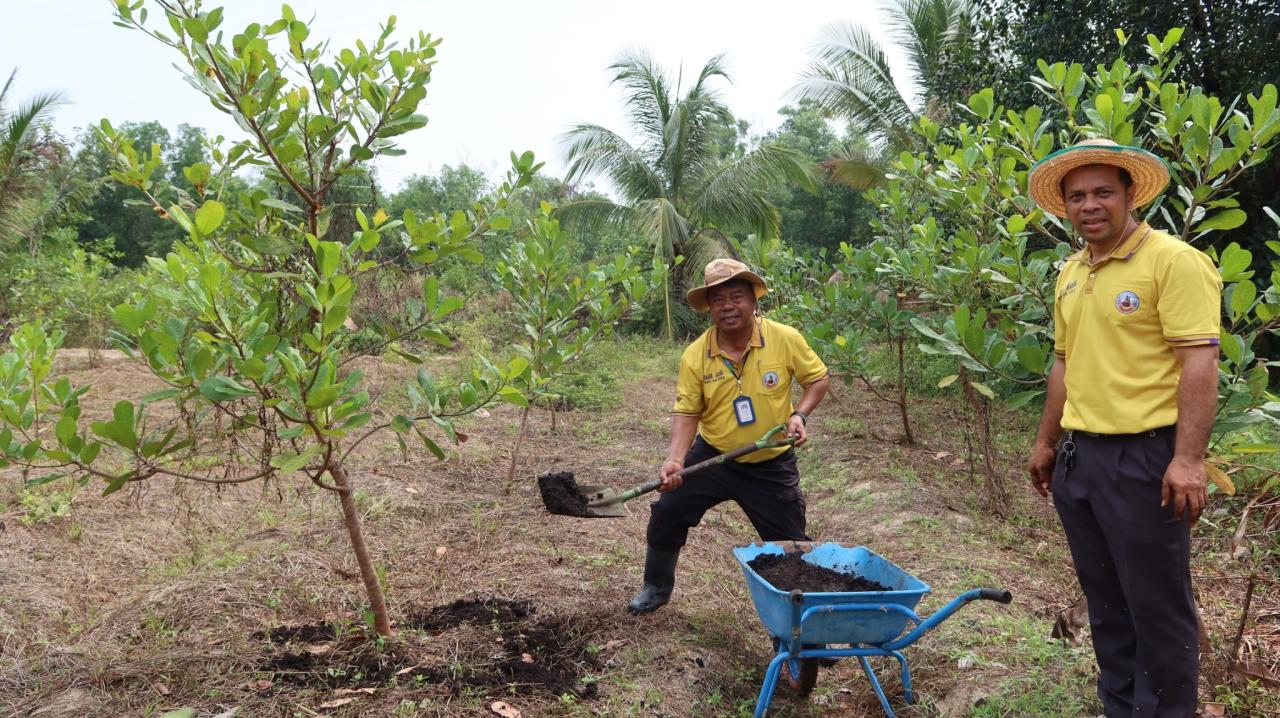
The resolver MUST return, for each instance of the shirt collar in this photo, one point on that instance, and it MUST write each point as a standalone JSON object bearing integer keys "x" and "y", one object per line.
{"x": 757, "y": 338}
{"x": 1124, "y": 251}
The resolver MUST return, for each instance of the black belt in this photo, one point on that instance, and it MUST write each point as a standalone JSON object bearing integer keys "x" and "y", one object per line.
{"x": 1149, "y": 433}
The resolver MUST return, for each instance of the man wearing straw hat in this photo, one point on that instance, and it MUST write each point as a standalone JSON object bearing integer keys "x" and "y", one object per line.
{"x": 734, "y": 385}
{"x": 1130, "y": 405}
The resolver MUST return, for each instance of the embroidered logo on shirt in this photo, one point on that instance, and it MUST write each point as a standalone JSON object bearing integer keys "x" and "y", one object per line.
{"x": 1127, "y": 302}
{"x": 1068, "y": 289}
{"x": 770, "y": 379}
{"x": 709, "y": 377}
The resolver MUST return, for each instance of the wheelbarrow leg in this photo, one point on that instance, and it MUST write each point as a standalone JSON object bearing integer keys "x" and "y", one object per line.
{"x": 875, "y": 685}
{"x": 770, "y": 683}
{"x": 906, "y": 676}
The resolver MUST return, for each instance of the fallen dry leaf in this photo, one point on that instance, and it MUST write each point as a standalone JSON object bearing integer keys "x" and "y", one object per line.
{"x": 354, "y": 691}
{"x": 161, "y": 688}
{"x": 319, "y": 649}
{"x": 941, "y": 455}
{"x": 410, "y": 490}
{"x": 403, "y": 671}
{"x": 615, "y": 643}
{"x": 526, "y": 658}
{"x": 441, "y": 550}
{"x": 1214, "y": 710}
{"x": 260, "y": 685}
{"x": 504, "y": 709}
{"x": 337, "y": 702}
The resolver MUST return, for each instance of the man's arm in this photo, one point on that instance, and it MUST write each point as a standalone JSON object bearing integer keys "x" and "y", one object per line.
{"x": 810, "y": 398}
{"x": 683, "y": 428}
{"x": 1044, "y": 452}
{"x": 1184, "y": 480}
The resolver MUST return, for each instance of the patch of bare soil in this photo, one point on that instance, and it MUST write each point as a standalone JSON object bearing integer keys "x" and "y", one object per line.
{"x": 171, "y": 594}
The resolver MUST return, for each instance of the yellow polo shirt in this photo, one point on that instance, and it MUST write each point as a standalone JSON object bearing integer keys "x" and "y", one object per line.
{"x": 707, "y": 388}
{"x": 1116, "y": 321}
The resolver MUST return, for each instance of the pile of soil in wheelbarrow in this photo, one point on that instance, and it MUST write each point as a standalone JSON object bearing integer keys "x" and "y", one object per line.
{"x": 790, "y": 572}
{"x": 561, "y": 495}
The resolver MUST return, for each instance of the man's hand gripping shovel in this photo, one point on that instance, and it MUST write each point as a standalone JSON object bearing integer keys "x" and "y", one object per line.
{"x": 605, "y": 502}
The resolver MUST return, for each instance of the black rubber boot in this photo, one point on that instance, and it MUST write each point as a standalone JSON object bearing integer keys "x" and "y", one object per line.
{"x": 659, "y": 579}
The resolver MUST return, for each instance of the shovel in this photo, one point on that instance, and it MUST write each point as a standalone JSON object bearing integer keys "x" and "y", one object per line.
{"x": 608, "y": 503}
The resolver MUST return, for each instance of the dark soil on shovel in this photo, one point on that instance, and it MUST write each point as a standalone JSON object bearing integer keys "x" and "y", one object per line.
{"x": 790, "y": 572}
{"x": 561, "y": 495}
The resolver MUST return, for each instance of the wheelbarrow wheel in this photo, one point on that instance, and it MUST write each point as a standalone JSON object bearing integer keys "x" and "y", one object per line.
{"x": 799, "y": 674}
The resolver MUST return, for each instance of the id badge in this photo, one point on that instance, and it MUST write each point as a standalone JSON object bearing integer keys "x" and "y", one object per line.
{"x": 743, "y": 409}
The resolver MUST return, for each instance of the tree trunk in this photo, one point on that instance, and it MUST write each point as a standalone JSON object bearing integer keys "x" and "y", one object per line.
{"x": 997, "y": 492}
{"x": 902, "y": 392}
{"x": 515, "y": 453}
{"x": 355, "y": 530}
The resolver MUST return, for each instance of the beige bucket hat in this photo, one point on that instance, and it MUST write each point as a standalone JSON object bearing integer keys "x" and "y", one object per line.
{"x": 1150, "y": 174}
{"x": 719, "y": 271}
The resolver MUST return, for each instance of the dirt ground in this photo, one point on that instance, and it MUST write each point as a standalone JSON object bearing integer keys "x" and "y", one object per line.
{"x": 245, "y": 601}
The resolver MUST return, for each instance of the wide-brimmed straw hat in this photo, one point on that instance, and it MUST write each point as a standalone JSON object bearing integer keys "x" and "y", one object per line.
{"x": 1150, "y": 174}
{"x": 719, "y": 271}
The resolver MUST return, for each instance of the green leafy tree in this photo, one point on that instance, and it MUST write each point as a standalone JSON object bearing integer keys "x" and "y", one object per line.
{"x": 988, "y": 271}
{"x": 564, "y": 306}
{"x": 244, "y": 319}
{"x": 676, "y": 188}
{"x": 837, "y": 212}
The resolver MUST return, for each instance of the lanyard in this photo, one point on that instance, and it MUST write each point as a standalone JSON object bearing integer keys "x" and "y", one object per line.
{"x": 736, "y": 376}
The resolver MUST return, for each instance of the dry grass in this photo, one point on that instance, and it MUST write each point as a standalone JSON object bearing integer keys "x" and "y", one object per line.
{"x": 149, "y": 600}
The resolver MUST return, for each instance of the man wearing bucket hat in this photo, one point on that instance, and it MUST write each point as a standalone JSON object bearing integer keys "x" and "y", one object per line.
{"x": 1130, "y": 405}
{"x": 734, "y": 384}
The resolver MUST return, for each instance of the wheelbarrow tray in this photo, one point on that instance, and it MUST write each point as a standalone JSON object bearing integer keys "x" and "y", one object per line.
{"x": 870, "y": 628}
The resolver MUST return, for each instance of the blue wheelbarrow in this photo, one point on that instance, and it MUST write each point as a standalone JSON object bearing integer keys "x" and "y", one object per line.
{"x": 809, "y": 627}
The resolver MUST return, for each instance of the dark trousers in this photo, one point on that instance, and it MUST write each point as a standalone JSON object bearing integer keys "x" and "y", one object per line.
{"x": 1133, "y": 561}
{"x": 768, "y": 491}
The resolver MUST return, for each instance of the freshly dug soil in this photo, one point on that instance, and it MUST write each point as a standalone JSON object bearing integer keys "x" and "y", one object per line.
{"x": 561, "y": 495}
{"x": 547, "y": 657}
{"x": 790, "y": 572}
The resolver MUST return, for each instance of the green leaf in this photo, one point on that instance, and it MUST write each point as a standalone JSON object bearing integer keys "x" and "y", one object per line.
{"x": 401, "y": 424}
{"x": 210, "y": 216}
{"x": 1242, "y": 296}
{"x": 65, "y": 429}
{"x": 289, "y": 462}
{"x": 947, "y": 380}
{"x": 512, "y": 395}
{"x": 432, "y": 446}
{"x": 223, "y": 388}
{"x": 1229, "y": 219}
{"x": 984, "y": 390}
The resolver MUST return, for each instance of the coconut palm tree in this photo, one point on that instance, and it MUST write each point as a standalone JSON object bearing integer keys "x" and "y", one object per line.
{"x": 675, "y": 185}
{"x": 849, "y": 77}
{"x": 25, "y": 159}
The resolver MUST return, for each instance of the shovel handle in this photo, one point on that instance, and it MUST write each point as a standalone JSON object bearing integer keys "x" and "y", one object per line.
{"x": 765, "y": 442}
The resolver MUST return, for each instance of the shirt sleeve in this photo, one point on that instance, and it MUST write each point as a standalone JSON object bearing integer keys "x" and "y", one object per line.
{"x": 806, "y": 366}
{"x": 1190, "y": 300}
{"x": 689, "y": 399}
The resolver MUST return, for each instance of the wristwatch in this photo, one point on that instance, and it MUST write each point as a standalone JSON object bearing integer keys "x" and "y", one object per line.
{"x": 804, "y": 418}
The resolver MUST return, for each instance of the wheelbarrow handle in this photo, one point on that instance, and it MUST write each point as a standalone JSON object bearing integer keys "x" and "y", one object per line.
{"x": 765, "y": 442}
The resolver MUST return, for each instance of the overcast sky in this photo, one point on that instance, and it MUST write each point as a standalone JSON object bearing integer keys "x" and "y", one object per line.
{"x": 512, "y": 75}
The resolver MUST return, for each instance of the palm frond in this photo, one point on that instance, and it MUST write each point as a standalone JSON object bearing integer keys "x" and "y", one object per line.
{"x": 647, "y": 92}
{"x": 926, "y": 30}
{"x": 595, "y": 149}
{"x": 857, "y": 166}
{"x": 850, "y": 77}
{"x": 19, "y": 126}
{"x": 662, "y": 225}
{"x": 589, "y": 215}
{"x": 733, "y": 196}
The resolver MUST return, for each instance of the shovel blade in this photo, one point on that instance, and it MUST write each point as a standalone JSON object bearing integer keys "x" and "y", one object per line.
{"x": 597, "y": 495}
